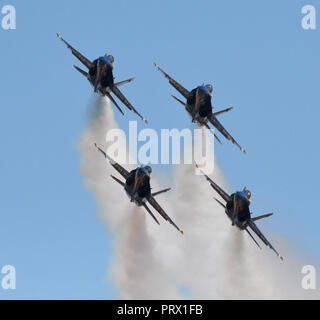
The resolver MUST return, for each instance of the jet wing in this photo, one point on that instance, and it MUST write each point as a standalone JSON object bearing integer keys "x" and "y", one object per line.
{"x": 156, "y": 206}
{"x": 77, "y": 54}
{"x": 123, "y": 99}
{"x": 116, "y": 165}
{"x": 224, "y": 195}
{"x": 174, "y": 83}
{"x": 256, "y": 230}
{"x": 215, "y": 122}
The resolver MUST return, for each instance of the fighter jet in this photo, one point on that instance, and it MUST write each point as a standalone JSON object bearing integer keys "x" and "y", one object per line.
{"x": 100, "y": 76}
{"x": 199, "y": 108}
{"x": 137, "y": 187}
{"x": 237, "y": 209}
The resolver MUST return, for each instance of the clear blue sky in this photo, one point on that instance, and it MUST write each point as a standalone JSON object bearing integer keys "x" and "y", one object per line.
{"x": 255, "y": 53}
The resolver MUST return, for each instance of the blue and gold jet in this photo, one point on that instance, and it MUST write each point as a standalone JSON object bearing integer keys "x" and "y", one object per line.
{"x": 237, "y": 209}
{"x": 137, "y": 188}
{"x": 100, "y": 75}
{"x": 199, "y": 107}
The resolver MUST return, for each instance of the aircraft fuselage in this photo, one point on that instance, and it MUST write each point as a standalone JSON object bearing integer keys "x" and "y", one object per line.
{"x": 242, "y": 208}
{"x": 199, "y": 105}
{"x": 137, "y": 185}
{"x": 101, "y": 74}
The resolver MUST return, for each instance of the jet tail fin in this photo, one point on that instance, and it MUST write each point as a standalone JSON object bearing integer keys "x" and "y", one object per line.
{"x": 81, "y": 71}
{"x": 161, "y": 191}
{"x": 263, "y": 216}
{"x": 120, "y": 83}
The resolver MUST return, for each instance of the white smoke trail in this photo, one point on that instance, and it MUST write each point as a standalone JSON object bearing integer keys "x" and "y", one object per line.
{"x": 197, "y": 266}
{"x": 212, "y": 261}
{"x": 112, "y": 206}
{"x": 221, "y": 262}
{"x": 137, "y": 270}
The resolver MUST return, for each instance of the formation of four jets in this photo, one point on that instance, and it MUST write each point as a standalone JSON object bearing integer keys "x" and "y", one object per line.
{"x": 199, "y": 108}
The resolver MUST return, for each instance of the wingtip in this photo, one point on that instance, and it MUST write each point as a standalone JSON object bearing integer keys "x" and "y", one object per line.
{"x": 155, "y": 64}
{"x": 95, "y": 144}
{"x": 58, "y": 35}
{"x": 281, "y": 257}
{"x": 181, "y": 231}
{"x": 145, "y": 121}
{"x": 244, "y": 150}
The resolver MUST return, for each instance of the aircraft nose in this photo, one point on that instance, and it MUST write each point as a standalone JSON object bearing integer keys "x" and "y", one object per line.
{"x": 140, "y": 172}
{"x": 101, "y": 63}
{"x": 205, "y": 90}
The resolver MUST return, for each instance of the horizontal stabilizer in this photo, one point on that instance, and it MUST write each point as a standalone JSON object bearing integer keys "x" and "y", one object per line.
{"x": 118, "y": 84}
{"x": 116, "y": 179}
{"x": 175, "y": 98}
{"x": 219, "y": 202}
{"x": 263, "y": 216}
{"x": 81, "y": 71}
{"x": 161, "y": 191}
{"x": 151, "y": 214}
{"x": 255, "y": 241}
{"x": 222, "y": 111}
{"x": 114, "y": 102}
{"x": 207, "y": 126}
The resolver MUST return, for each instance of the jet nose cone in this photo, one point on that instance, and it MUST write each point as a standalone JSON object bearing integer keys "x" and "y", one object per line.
{"x": 101, "y": 62}
{"x": 209, "y": 88}
{"x": 111, "y": 58}
{"x": 206, "y": 89}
